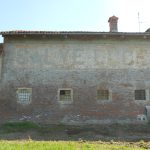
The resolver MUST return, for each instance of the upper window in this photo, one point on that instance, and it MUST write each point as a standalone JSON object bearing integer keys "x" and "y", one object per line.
{"x": 65, "y": 95}
{"x": 24, "y": 95}
{"x": 102, "y": 94}
{"x": 140, "y": 95}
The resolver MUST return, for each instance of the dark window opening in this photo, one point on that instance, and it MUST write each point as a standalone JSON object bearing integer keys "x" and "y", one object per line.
{"x": 65, "y": 95}
{"x": 102, "y": 94}
{"x": 140, "y": 95}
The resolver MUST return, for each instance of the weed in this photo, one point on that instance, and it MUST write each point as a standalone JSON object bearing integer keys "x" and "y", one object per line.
{"x": 18, "y": 126}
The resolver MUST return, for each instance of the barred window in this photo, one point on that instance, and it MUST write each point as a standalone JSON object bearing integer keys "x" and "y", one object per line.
{"x": 102, "y": 94}
{"x": 24, "y": 95}
{"x": 140, "y": 95}
{"x": 65, "y": 95}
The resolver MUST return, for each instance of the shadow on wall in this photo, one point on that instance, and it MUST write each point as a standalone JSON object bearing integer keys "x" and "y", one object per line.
{"x": 1, "y": 48}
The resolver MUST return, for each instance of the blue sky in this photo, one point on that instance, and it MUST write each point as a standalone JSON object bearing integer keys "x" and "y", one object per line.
{"x": 73, "y": 15}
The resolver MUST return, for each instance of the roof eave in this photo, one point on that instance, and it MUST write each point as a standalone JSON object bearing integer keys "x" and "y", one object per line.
{"x": 72, "y": 33}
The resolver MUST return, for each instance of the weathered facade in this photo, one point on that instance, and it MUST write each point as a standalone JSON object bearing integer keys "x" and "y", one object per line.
{"x": 75, "y": 77}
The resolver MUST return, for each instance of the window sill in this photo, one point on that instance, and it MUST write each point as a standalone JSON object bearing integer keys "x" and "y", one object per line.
{"x": 103, "y": 101}
{"x": 65, "y": 102}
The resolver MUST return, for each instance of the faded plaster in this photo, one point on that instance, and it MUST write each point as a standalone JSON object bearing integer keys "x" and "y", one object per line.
{"x": 83, "y": 66}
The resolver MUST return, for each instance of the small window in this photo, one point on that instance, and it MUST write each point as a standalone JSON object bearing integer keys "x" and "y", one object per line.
{"x": 24, "y": 95}
{"x": 140, "y": 95}
{"x": 65, "y": 95}
{"x": 102, "y": 94}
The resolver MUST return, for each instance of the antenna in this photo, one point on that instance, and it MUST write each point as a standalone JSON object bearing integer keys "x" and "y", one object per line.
{"x": 139, "y": 20}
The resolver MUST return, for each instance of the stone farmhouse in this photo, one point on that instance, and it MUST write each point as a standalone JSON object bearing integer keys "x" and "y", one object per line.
{"x": 75, "y": 77}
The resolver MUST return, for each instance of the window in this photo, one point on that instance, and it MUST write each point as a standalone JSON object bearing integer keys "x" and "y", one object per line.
{"x": 24, "y": 95}
{"x": 140, "y": 95}
{"x": 65, "y": 95}
{"x": 102, "y": 94}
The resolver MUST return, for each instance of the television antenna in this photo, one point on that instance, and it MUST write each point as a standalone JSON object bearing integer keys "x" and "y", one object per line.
{"x": 139, "y": 22}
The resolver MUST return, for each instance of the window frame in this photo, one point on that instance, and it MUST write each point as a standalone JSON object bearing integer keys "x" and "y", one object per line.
{"x": 65, "y": 101}
{"x": 140, "y": 94}
{"x": 30, "y": 97}
{"x": 104, "y": 100}
{"x": 146, "y": 95}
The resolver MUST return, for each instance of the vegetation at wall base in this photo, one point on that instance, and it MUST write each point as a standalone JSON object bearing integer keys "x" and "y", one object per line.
{"x": 26, "y": 129}
{"x": 18, "y": 126}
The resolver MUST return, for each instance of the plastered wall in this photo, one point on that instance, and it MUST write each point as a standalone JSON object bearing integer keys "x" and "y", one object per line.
{"x": 84, "y": 66}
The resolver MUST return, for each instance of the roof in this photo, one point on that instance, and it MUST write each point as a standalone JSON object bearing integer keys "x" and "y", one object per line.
{"x": 148, "y": 30}
{"x": 76, "y": 34}
{"x": 20, "y": 32}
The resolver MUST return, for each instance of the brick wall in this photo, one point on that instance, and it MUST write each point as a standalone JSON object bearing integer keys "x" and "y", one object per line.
{"x": 84, "y": 66}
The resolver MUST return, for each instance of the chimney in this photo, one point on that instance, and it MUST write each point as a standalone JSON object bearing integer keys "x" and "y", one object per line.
{"x": 113, "y": 24}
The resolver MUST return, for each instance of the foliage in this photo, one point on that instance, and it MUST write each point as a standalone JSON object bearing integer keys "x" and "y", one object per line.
{"x": 18, "y": 126}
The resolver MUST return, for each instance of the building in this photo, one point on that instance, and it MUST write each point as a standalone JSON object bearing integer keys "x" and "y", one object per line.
{"x": 75, "y": 77}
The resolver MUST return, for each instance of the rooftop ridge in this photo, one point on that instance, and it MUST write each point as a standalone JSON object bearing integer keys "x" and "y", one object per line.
{"x": 15, "y": 32}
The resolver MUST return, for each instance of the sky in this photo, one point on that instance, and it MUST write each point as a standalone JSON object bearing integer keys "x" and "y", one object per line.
{"x": 73, "y": 15}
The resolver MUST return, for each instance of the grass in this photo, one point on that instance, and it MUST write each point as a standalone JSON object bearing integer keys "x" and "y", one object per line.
{"x": 70, "y": 145}
{"x": 18, "y": 126}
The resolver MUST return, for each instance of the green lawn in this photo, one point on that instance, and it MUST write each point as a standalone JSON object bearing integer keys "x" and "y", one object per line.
{"x": 62, "y": 145}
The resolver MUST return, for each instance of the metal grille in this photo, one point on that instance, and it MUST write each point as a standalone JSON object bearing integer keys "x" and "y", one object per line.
{"x": 24, "y": 95}
{"x": 102, "y": 94}
{"x": 140, "y": 95}
{"x": 65, "y": 95}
